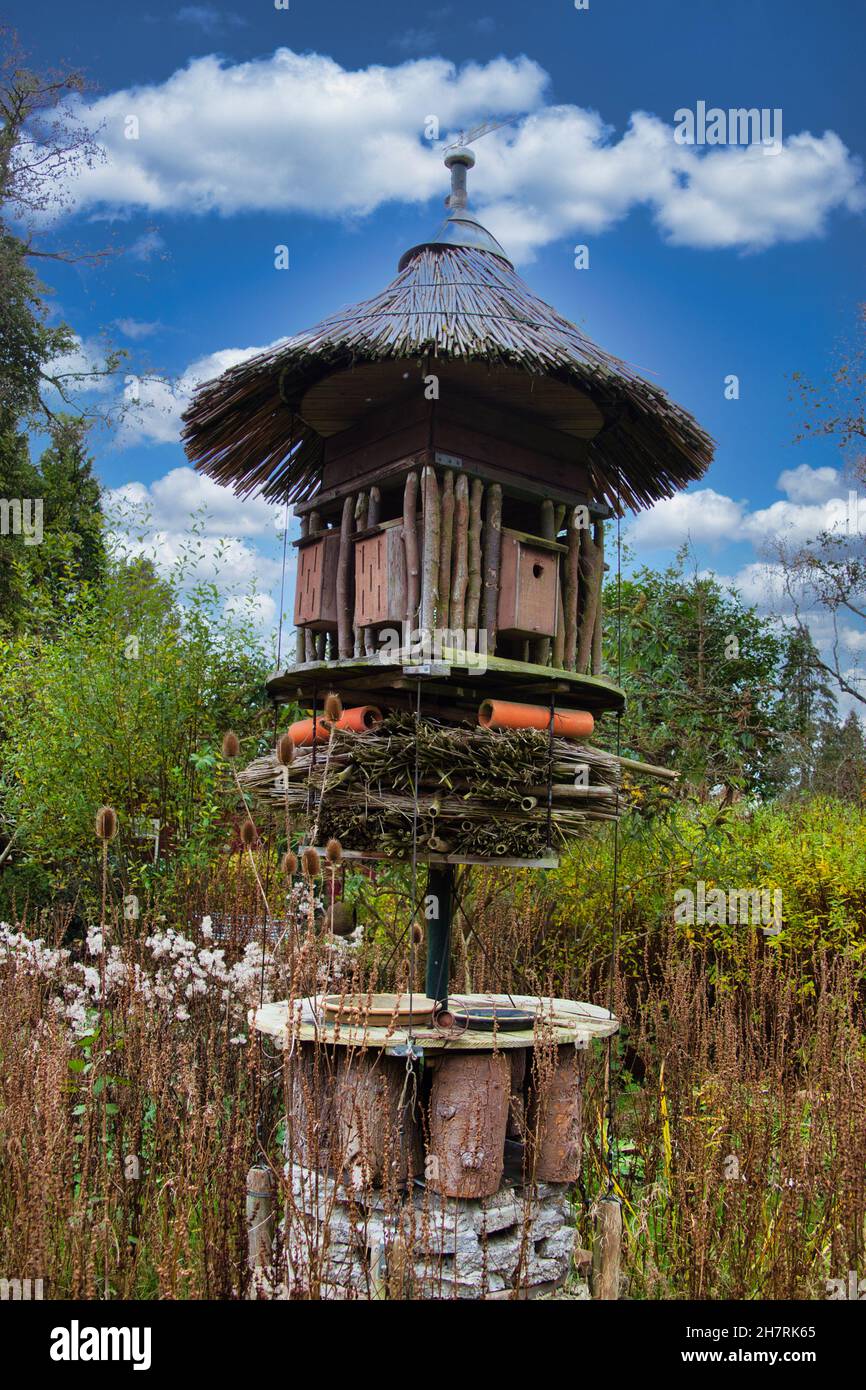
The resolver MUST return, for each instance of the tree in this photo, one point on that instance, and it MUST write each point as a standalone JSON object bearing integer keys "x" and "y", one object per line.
{"x": 808, "y": 707}
{"x": 38, "y": 580}
{"x": 829, "y": 572}
{"x": 701, "y": 673}
{"x": 841, "y": 760}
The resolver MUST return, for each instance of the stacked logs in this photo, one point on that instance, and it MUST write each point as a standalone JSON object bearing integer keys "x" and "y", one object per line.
{"x": 452, "y": 544}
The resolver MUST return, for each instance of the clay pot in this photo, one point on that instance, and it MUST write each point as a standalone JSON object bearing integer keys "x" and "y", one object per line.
{"x": 302, "y": 732}
{"x": 503, "y": 714}
{"x": 359, "y": 718}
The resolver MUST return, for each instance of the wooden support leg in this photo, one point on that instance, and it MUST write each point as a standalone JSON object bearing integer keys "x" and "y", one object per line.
{"x": 558, "y": 1118}
{"x": 260, "y": 1219}
{"x": 607, "y": 1249}
{"x": 438, "y": 911}
{"x": 469, "y": 1103}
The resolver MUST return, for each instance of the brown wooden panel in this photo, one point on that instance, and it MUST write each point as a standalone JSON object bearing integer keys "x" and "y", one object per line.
{"x": 380, "y": 579}
{"x": 316, "y": 587}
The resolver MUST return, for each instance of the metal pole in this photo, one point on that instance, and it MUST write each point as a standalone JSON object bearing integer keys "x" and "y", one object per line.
{"x": 437, "y": 911}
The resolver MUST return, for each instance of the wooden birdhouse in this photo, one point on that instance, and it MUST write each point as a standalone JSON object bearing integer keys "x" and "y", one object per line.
{"x": 454, "y": 447}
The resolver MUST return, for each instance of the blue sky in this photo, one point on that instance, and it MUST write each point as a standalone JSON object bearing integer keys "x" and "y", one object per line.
{"x": 260, "y": 127}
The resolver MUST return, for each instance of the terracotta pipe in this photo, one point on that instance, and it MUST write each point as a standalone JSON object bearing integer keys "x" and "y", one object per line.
{"x": 359, "y": 718}
{"x": 503, "y": 714}
{"x": 302, "y": 732}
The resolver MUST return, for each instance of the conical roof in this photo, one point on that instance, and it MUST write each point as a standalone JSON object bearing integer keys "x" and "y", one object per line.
{"x": 457, "y": 299}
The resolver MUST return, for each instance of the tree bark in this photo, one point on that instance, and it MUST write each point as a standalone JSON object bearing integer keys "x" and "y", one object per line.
{"x": 492, "y": 556}
{"x": 345, "y": 597}
{"x": 473, "y": 587}
{"x": 572, "y": 566}
{"x": 590, "y": 585}
{"x": 539, "y": 650}
{"x": 410, "y": 545}
{"x": 300, "y": 635}
{"x": 445, "y": 539}
{"x": 469, "y": 1103}
{"x": 459, "y": 571}
{"x": 598, "y": 629}
{"x": 557, "y": 1119}
{"x": 432, "y": 522}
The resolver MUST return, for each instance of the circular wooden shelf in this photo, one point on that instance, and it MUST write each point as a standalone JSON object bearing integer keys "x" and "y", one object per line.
{"x": 561, "y": 1021}
{"x": 453, "y": 681}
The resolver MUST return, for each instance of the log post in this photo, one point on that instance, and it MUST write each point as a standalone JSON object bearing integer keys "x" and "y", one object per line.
{"x": 374, "y": 509}
{"x": 469, "y": 1103}
{"x": 345, "y": 596}
{"x": 558, "y": 1119}
{"x": 572, "y": 564}
{"x": 597, "y": 632}
{"x": 492, "y": 556}
{"x": 591, "y": 575}
{"x": 539, "y": 650}
{"x": 607, "y": 1249}
{"x": 361, "y": 508}
{"x": 410, "y": 547}
{"x": 260, "y": 1219}
{"x": 372, "y": 1141}
{"x": 459, "y": 570}
{"x": 300, "y": 635}
{"x": 432, "y": 523}
{"x": 473, "y": 587}
{"x": 446, "y": 533}
{"x": 311, "y": 652}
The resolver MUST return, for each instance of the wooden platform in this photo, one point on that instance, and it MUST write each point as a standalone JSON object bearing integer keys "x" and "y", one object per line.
{"x": 453, "y": 682}
{"x": 562, "y": 1021}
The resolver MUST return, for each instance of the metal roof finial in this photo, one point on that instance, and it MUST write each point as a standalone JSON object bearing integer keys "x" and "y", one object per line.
{"x": 458, "y": 160}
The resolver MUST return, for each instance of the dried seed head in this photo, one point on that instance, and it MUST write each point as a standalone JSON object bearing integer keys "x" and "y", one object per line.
{"x": 289, "y": 863}
{"x": 417, "y": 933}
{"x": 106, "y": 823}
{"x": 333, "y": 852}
{"x": 249, "y": 834}
{"x": 231, "y": 744}
{"x": 285, "y": 750}
{"x": 310, "y": 860}
{"x": 333, "y": 708}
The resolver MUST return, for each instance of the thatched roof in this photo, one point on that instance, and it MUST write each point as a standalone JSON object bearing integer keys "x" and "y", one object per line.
{"x": 456, "y": 299}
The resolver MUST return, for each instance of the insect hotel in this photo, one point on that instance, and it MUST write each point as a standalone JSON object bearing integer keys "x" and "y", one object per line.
{"x": 454, "y": 450}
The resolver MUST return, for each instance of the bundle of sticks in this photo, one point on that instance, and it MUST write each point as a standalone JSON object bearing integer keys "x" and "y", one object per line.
{"x": 448, "y": 789}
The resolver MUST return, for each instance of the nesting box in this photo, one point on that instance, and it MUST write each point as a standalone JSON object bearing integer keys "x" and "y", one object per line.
{"x": 316, "y": 591}
{"x": 380, "y": 578}
{"x": 528, "y": 586}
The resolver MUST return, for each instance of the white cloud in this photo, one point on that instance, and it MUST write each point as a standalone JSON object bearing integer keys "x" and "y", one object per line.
{"x": 298, "y": 132}
{"x": 83, "y": 369}
{"x": 153, "y": 406}
{"x": 805, "y": 484}
{"x": 703, "y": 516}
{"x": 183, "y": 493}
{"x": 798, "y": 522}
{"x": 135, "y": 328}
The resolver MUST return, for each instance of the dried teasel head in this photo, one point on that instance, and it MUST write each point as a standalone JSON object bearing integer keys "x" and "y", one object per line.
{"x": 285, "y": 750}
{"x": 249, "y": 834}
{"x": 333, "y": 852}
{"x": 417, "y": 933}
{"x": 231, "y": 744}
{"x": 289, "y": 863}
{"x": 106, "y": 823}
{"x": 311, "y": 862}
{"x": 333, "y": 708}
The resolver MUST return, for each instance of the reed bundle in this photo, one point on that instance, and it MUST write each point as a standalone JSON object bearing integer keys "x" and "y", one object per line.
{"x": 510, "y": 793}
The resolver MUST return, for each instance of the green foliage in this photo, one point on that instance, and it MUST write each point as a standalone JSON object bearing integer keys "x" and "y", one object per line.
{"x": 813, "y": 849}
{"x": 125, "y": 702}
{"x": 35, "y": 579}
{"x": 701, "y": 672}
